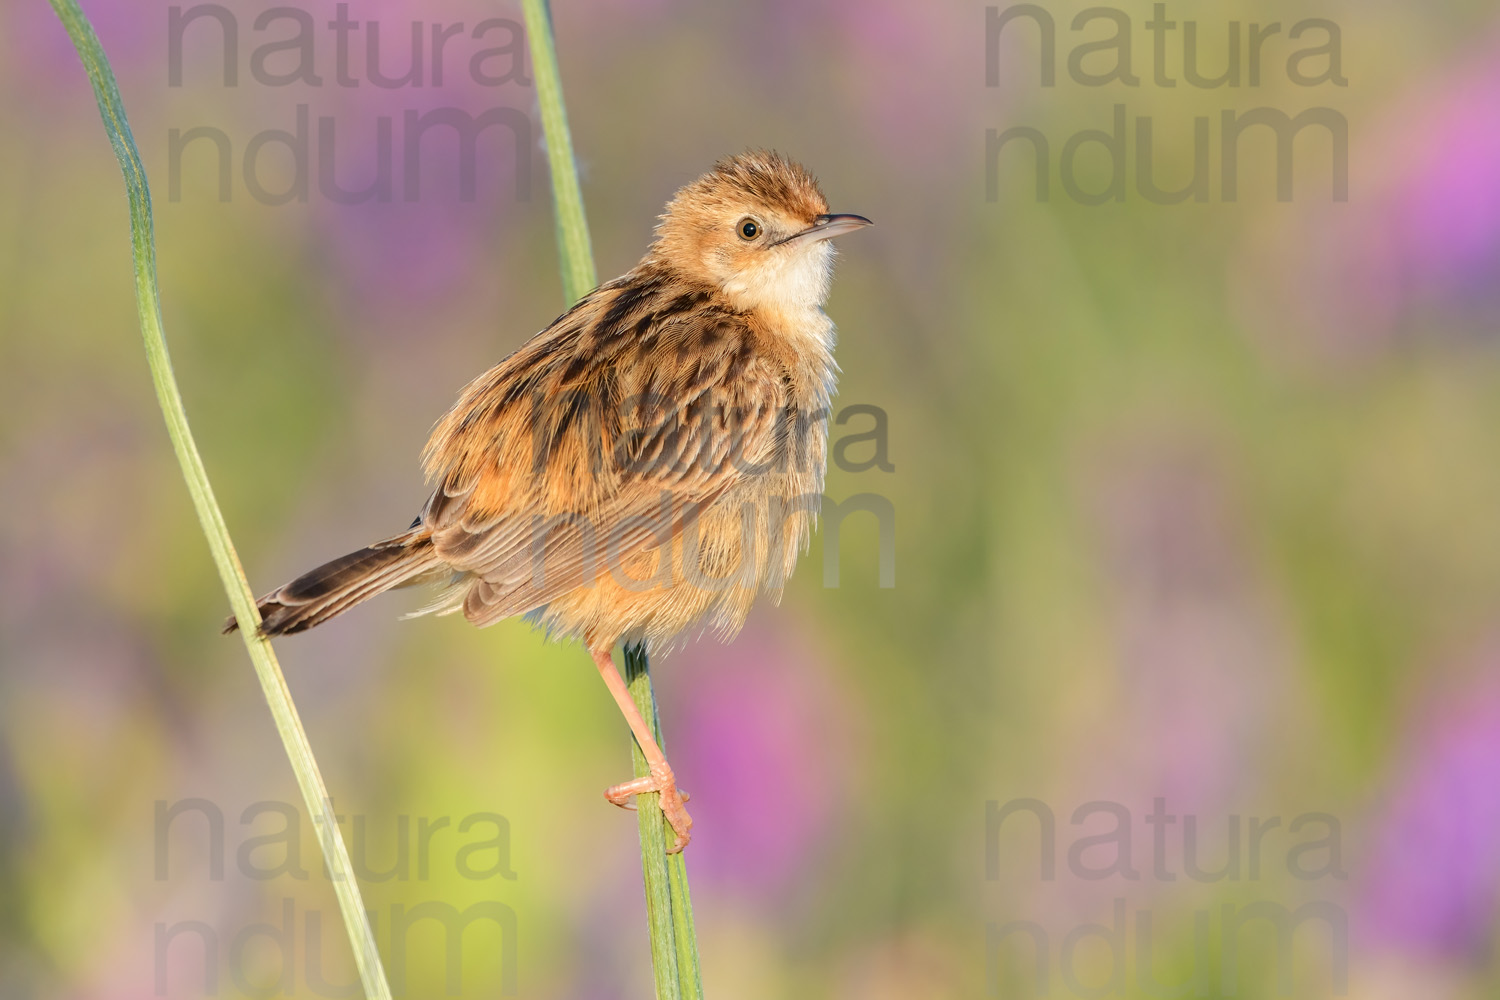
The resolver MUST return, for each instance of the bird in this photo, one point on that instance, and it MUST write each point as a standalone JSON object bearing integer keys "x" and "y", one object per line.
{"x": 649, "y": 463}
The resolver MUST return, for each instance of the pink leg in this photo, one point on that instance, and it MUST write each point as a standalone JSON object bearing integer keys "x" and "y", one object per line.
{"x": 661, "y": 779}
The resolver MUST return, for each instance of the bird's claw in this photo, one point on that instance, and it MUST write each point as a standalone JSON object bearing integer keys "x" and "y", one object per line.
{"x": 670, "y": 798}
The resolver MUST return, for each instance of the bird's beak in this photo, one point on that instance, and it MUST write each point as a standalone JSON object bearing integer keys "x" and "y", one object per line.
{"x": 826, "y": 227}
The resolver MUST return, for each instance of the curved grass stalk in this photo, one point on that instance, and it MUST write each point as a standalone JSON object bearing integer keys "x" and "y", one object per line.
{"x": 669, "y": 908}
{"x": 231, "y": 574}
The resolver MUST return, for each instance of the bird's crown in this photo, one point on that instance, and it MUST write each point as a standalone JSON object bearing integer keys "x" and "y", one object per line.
{"x": 758, "y": 177}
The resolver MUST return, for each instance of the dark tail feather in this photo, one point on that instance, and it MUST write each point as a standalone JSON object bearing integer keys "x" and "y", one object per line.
{"x": 335, "y": 587}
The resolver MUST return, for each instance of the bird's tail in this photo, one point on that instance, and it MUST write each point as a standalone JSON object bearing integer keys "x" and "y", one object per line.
{"x": 335, "y": 587}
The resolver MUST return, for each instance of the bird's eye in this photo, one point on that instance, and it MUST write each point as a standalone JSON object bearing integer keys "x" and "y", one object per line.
{"x": 749, "y": 229}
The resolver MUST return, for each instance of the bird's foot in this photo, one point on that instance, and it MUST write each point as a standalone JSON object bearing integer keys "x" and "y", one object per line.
{"x": 669, "y": 797}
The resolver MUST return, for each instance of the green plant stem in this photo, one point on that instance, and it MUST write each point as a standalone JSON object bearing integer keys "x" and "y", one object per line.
{"x": 669, "y": 907}
{"x": 232, "y": 575}
{"x": 575, "y": 251}
{"x": 674, "y": 941}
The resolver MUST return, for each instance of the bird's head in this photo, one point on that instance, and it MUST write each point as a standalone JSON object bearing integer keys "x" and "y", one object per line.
{"x": 757, "y": 227}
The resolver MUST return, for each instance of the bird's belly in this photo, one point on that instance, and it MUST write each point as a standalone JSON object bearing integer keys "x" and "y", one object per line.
{"x": 745, "y": 543}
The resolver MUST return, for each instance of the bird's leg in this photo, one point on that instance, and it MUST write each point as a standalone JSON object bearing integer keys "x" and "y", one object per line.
{"x": 661, "y": 779}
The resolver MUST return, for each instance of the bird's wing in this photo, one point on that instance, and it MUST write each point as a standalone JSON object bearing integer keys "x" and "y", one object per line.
{"x": 596, "y": 441}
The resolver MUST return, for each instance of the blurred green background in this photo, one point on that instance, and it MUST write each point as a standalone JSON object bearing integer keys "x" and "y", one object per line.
{"x": 1196, "y": 504}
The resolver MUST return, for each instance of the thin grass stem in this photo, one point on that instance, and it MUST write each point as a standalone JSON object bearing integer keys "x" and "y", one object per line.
{"x": 669, "y": 908}
{"x": 231, "y": 574}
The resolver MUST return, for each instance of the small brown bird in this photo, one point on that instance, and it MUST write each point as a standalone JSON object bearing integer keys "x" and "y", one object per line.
{"x": 646, "y": 464}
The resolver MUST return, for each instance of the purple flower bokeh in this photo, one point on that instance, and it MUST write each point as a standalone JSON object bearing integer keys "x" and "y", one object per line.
{"x": 907, "y": 64}
{"x": 411, "y": 251}
{"x": 37, "y": 48}
{"x": 1431, "y": 884}
{"x": 760, "y": 734}
{"x": 1416, "y": 247}
{"x": 1448, "y": 211}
